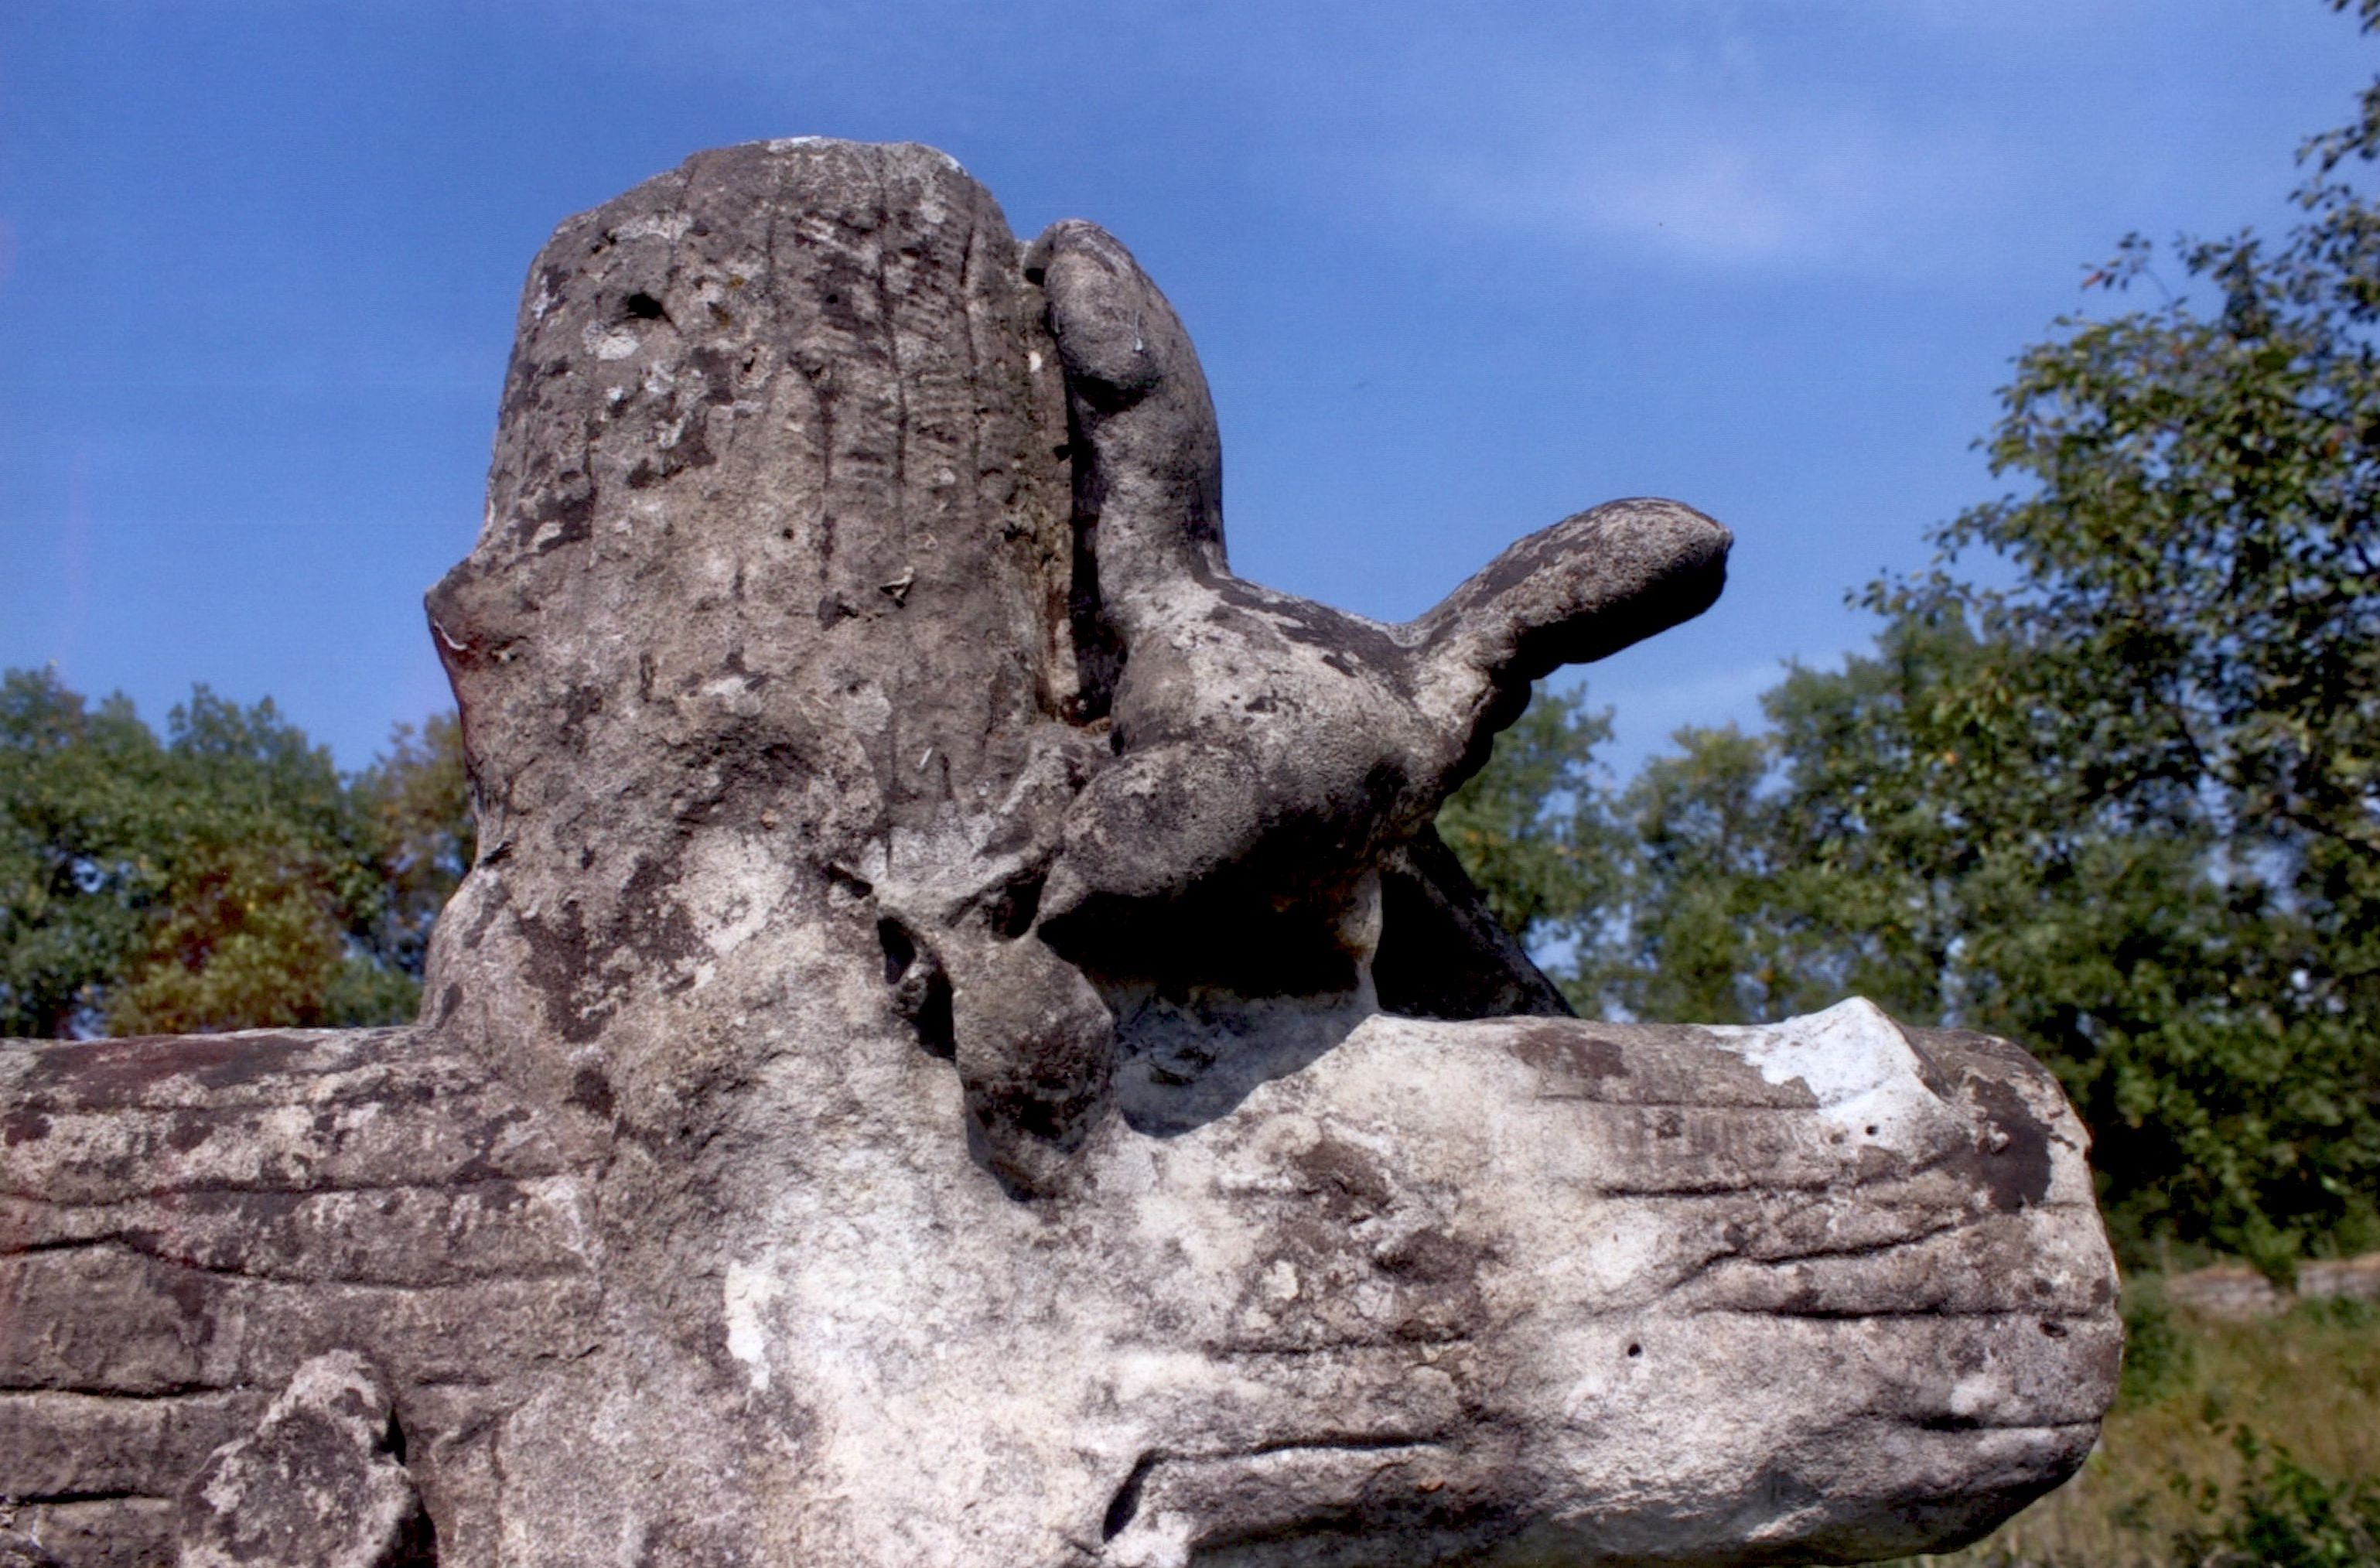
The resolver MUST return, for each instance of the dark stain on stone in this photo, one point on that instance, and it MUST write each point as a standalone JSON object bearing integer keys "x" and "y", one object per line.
{"x": 484, "y": 1164}
{"x": 119, "y": 1072}
{"x": 192, "y": 1292}
{"x": 488, "y": 909}
{"x": 1930, "y": 1046}
{"x": 734, "y": 664}
{"x": 1348, "y": 1180}
{"x": 592, "y": 1091}
{"x": 2010, "y": 1158}
{"x": 500, "y": 1196}
{"x": 1572, "y": 1055}
{"x": 580, "y": 704}
{"x": 658, "y": 927}
{"x": 1429, "y": 1257}
{"x": 1516, "y": 565}
{"x": 843, "y": 282}
{"x": 691, "y": 450}
{"x": 260, "y": 1218}
{"x": 23, "y": 1126}
{"x": 2103, "y": 1364}
{"x": 1436, "y": 1278}
{"x": 582, "y": 974}
{"x": 570, "y": 506}
{"x": 563, "y": 960}
{"x": 717, "y": 373}
{"x": 1350, "y": 646}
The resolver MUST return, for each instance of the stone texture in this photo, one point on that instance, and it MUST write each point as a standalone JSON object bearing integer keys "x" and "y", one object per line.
{"x": 185, "y": 1220}
{"x": 2240, "y": 1294}
{"x": 322, "y": 1480}
{"x": 961, "y": 1046}
{"x": 19, "y": 1551}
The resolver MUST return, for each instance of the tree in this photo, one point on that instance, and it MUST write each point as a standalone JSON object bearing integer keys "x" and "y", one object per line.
{"x": 1530, "y": 826}
{"x": 419, "y": 799}
{"x": 2126, "y": 808}
{"x": 225, "y": 877}
{"x": 76, "y": 789}
{"x": 273, "y": 888}
{"x": 2190, "y": 661}
{"x": 1687, "y": 937}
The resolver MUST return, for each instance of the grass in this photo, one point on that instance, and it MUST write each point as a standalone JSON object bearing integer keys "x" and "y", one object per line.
{"x": 2173, "y": 1482}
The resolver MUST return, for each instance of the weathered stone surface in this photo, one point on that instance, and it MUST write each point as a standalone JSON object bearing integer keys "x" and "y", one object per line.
{"x": 320, "y": 1483}
{"x": 20, "y": 1552}
{"x": 184, "y": 1221}
{"x": 962, "y": 1048}
{"x": 2238, "y": 1294}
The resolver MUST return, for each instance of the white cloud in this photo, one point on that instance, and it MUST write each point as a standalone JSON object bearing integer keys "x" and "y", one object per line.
{"x": 1726, "y": 137}
{"x": 1760, "y": 179}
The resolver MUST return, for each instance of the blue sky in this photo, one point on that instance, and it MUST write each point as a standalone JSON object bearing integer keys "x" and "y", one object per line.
{"x": 1454, "y": 270}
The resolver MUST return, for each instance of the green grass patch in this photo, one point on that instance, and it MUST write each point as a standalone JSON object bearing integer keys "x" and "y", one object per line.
{"x": 2231, "y": 1445}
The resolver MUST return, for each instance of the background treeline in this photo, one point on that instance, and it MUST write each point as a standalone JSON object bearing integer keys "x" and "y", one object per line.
{"x": 224, "y": 877}
{"x": 2117, "y": 797}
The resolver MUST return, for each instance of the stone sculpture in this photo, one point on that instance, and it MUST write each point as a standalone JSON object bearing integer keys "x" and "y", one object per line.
{"x": 961, "y": 1046}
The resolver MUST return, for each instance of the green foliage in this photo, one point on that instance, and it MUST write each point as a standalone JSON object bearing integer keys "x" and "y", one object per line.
{"x": 1528, "y": 825}
{"x": 2191, "y": 663}
{"x": 419, "y": 802}
{"x": 2125, "y": 808}
{"x": 2170, "y": 1485}
{"x": 1958, "y": 855}
{"x": 269, "y": 885}
{"x": 1688, "y": 942}
{"x": 76, "y": 872}
{"x": 2158, "y": 1356}
{"x": 2279, "y": 1515}
{"x": 227, "y": 876}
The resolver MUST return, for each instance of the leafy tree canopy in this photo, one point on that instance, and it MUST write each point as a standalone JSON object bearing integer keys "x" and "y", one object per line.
{"x": 2124, "y": 807}
{"x": 224, "y": 877}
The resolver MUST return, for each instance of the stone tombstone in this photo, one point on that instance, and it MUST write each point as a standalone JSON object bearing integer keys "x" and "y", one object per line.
{"x": 961, "y": 1046}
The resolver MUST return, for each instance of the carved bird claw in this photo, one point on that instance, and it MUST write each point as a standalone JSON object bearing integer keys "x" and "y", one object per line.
{"x": 1268, "y": 752}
